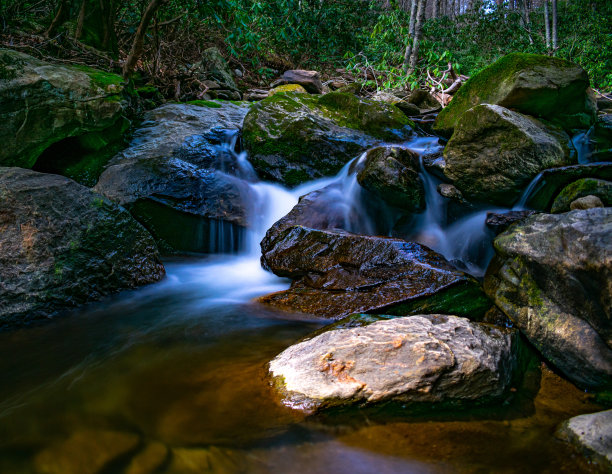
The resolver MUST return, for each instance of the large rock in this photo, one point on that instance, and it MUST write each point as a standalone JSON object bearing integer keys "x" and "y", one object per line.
{"x": 309, "y": 80}
{"x": 170, "y": 178}
{"x": 336, "y": 274}
{"x": 293, "y": 138}
{"x": 392, "y": 174}
{"x": 548, "y": 184}
{"x": 417, "y": 359}
{"x": 494, "y": 153}
{"x": 214, "y": 67}
{"x": 582, "y": 188}
{"x": 541, "y": 86}
{"x": 62, "y": 245}
{"x": 552, "y": 277}
{"x": 42, "y": 103}
{"x": 592, "y": 435}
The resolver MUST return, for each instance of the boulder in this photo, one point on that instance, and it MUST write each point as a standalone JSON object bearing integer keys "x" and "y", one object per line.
{"x": 336, "y": 274}
{"x": 424, "y": 101}
{"x": 499, "y": 222}
{"x": 550, "y": 183}
{"x": 309, "y": 80}
{"x": 288, "y": 88}
{"x": 419, "y": 359}
{"x": 392, "y": 174}
{"x": 586, "y": 202}
{"x": 592, "y": 435}
{"x": 552, "y": 276}
{"x": 293, "y": 138}
{"x": 85, "y": 452}
{"x": 62, "y": 245}
{"x": 175, "y": 178}
{"x": 541, "y": 86}
{"x": 43, "y": 103}
{"x": 494, "y": 153}
{"x": 213, "y": 66}
{"x": 581, "y": 188}
{"x": 602, "y": 132}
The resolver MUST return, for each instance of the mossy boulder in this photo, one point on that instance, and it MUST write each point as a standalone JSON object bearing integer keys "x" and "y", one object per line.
{"x": 552, "y": 276}
{"x": 298, "y": 89}
{"x": 582, "y": 188}
{"x": 336, "y": 274}
{"x": 213, "y": 66}
{"x": 541, "y": 86}
{"x": 62, "y": 245}
{"x": 392, "y": 174}
{"x": 42, "y": 103}
{"x": 293, "y": 138}
{"x": 494, "y": 153}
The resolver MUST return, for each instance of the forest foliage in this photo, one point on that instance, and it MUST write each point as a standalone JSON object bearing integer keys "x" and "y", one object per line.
{"x": 263, "y": 37}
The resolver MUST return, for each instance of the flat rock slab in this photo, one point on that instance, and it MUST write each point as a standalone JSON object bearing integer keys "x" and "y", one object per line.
{"x": 416, "y": 359}
{"x": 591, "y": 433}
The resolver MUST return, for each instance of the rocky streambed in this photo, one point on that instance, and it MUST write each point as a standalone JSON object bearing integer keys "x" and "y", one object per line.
{"x": 389, "y": 300}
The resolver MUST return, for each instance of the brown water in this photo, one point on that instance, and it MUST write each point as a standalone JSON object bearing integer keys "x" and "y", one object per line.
{"x": 171, "y": 378}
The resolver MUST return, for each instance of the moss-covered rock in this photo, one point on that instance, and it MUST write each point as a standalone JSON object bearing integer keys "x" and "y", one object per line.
{"x": 541, "y": 86}
{"x": 392, "y": 174}
{"x": 494, "y": 153}
{"x": 552, "y": 277}
{"x": 42, "y": 103}
{"x": 293, "y": 137}
{"x": 581, "y": 188}
{"x": 298, "y": 89}
{"x": 62, "y": 245}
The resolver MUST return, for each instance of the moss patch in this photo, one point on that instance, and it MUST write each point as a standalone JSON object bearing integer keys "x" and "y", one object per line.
{"x": 205, "y": 103}
{"x": 581, "y": 188}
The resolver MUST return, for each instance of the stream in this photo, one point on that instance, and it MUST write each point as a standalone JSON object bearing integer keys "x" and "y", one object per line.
{"x": 183, "y": 363}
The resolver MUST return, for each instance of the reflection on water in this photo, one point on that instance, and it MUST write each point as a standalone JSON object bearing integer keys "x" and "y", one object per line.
{"x": 180, "y": 367}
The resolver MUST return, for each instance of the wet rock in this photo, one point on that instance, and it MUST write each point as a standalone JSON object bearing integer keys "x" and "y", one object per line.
{"x": 174, "y": 178}
{"x": 392, "y": 174}
{"x": 293, "y": 138}
{"x": 183, "y": 206}
{"x": 552, "y": 277}
{"x": 602, "y": 133}
{"x": 551, "y": 182}
{"x": 417, "y": 359}
{"x": 592, "y": 435}
{"x": 43, "y": 103}
{"x": 337, "y": 273}
{"x": 499, "y": 222}
{"x": 149, "y": 460}
{"x": 309, "y": 80}
{"x": 450, "y": 192}
{"x": 541, "y": 86}
{"x": 583, "y": 187}
{"x": 494, "y": 153}
{"x": 85, "y": 452}
{"x": 62, "y": 245}
{"x": 586, "y": 202}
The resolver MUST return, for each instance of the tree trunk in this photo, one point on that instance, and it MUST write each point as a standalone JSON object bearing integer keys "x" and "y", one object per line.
{"x": 81, "y": 20}
{"x": 63, "y": 13}
{"x": 408, "y": 51}
{"x": 554, "y": 25}
{"x": 547, "y": 25}
{"x": 137, "y": 45}
{"x": 434, "y": 8}
{"x": 418, "y": 32}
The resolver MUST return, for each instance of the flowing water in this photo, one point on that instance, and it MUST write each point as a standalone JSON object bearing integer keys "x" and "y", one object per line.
{"x": 180, "y": 366}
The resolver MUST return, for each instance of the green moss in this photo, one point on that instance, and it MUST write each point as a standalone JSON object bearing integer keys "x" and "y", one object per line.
{"x": 498, "y": 84}
{"x": 205, "y": 103}
{"x": 295, "y": 177}
{"x": 99, "y": 78}
{"x": 581, "y": 188}
{"x": 288, "y": 88}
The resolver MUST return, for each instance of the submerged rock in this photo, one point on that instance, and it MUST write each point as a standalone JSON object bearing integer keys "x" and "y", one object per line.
{"x": 581, "y": 188}
{"x": 417, "y": 359}
{"x": 62, "y": 245}
{"x": 552, "y": 277}
{"x": 495, "y": 152}
{"x": 392, "y": 174}
{"x": 171, "y": 178}
{"x": 337, "y": 274}
{"x": 85, "y": 452}
{"x": 293, "y": 138}
{"x": 592, "y": 435}
{"x": 43, "y": 103}
{"x": 541, "y": 86}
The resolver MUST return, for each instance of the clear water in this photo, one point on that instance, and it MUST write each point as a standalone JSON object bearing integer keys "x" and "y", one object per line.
{"x": 181, "y": 367}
